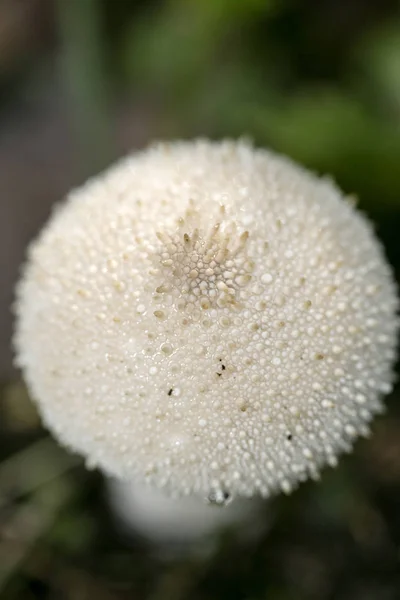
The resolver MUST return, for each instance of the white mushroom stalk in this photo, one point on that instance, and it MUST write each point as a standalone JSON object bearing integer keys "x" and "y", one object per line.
{"x": 208, "y": 319}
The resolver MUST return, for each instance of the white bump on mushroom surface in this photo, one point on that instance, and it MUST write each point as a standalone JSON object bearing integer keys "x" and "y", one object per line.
{"x": 209, "y": 318}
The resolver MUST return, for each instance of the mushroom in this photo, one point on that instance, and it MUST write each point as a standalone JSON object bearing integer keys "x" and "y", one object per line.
{"x": 207, "y": 320}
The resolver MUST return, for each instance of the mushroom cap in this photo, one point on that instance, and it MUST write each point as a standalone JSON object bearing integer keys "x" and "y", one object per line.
{"x": 209, "y": 318}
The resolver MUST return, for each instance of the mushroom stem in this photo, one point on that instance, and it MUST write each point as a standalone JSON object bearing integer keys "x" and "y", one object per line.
{"x": 181, "y": 523}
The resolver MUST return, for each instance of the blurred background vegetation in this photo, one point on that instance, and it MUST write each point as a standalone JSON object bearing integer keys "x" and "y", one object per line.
{"x": 84, "y": 81}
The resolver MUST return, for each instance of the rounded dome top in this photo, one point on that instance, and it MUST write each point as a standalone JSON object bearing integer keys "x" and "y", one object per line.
{"x": 207, "y": 317}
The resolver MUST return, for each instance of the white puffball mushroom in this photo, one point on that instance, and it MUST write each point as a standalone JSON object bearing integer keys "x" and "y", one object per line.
{"x": 209, "y": 319}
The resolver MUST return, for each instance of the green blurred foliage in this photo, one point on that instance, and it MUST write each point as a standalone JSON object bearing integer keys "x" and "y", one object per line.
{"x": 173, "y": 50}
{"x": 316, "y": 79}
{"x": 253, "y": 68}
{"x": 379, "y": 58}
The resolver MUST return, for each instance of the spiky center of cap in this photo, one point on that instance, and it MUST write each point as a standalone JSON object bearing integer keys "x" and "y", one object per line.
{"x": 201, "y": 269}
